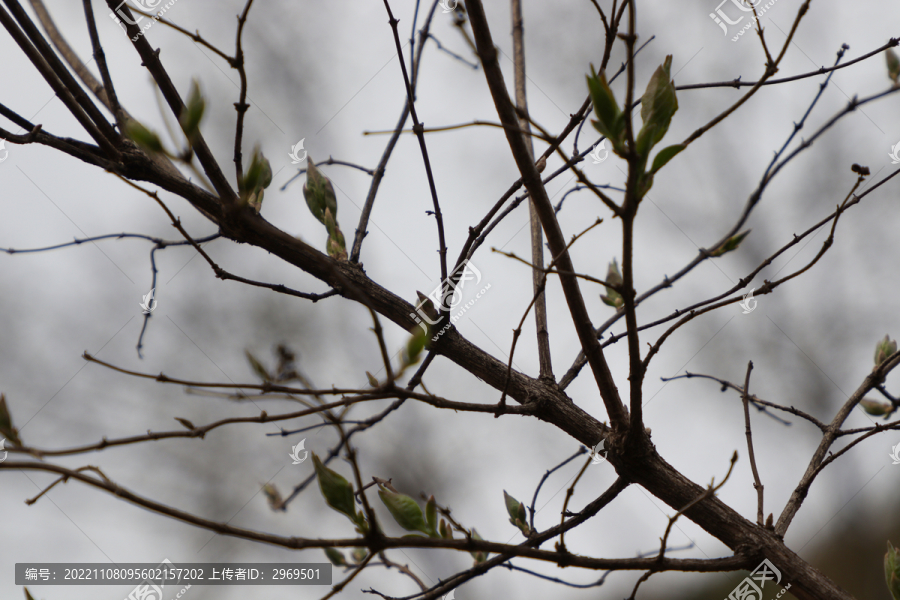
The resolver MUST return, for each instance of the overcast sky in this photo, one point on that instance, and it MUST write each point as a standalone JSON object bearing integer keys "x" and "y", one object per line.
{"x": 328, "y": 72}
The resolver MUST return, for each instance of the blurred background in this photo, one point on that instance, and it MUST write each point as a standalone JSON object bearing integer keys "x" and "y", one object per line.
{"x": 326, "y": 73}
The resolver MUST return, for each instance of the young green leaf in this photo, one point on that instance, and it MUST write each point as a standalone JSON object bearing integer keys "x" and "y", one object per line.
{"x": 193, "y": 112}
{"x": 336, "y": 246}
{"x": 406, "y": 512}
{"x": 478, "y": 555}
{"x": 337, "y": 491}
{"x": 730, "y": 244}
{"x": 319, "y": 192}
{"x": 414, "y": 346}
{"x": 257, "y": 178}
{"x": 613, "y": 277}
{"x": 645, "y": 183}
{"x": 335, "y": 556}
{"x": 893, "y": 65}
{"x": 883, "y": 349}
{"x": 658, "y": 104}
{"x": 665, "y": 155}
{"x": 6, "y": 427}
{"x": 359, "y": 554}
{"x": 875, "y": 408}
{"x": 265, "y": 178}
{"x": 517, "y": 514}
{"x": 259, "y": 173}
{"x": 145, "y": 139}
{"x": 610, "y": 121}
{"x": 372, "y": 381}
{"x": 513, "y": 506}
{"x": 446, "y": 531}
{"x": 431, "y": 513}
{"x": 257, "y": 367}
{"x": 5, "y": 418}
{"x": 330, "y": 224}
{"x": 644, "y": 143}
{"x": 255, "y": 200}
{"x": 273, "y": 496}
{"x": 892, "y": 571}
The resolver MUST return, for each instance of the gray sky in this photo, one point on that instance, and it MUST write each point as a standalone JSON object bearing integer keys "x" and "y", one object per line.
{"x": 327, "y": 72}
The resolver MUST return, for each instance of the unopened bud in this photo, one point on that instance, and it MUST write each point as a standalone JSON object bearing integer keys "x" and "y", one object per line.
{"x": 335, "y": 556}
{"x": 613, "y": 277}
{"x": 883, "y": 349}
{"x": 875, "y": 408}
{"x": 319, "y": 192}
{"x": 892, "y": 571}
{"x": 146, "y": 140}
{"x": 193, "y": 112}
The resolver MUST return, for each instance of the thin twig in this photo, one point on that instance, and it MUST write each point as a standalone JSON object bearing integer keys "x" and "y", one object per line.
{"x": 581, "y": 450}
{"x": 538, "y": 278}
{"x": 757, "y": 483}
{"x": 532, "y": 181}
{"x": 241, "y": 105}
{"x": 378, "y": 175}
{"x": 542, "y": 283}
{"x": 108, "y": 90}
{"x": 418, "y": 128}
